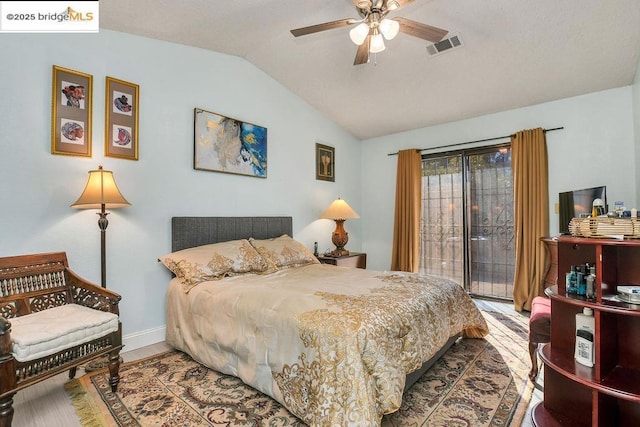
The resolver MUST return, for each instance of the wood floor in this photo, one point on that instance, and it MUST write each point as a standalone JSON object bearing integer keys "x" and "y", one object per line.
{"x": 47, "y": 405}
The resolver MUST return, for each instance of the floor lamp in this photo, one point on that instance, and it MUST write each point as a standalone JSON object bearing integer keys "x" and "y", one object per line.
{"x": 101, "y": 192}
{"x": 339, "y": 211}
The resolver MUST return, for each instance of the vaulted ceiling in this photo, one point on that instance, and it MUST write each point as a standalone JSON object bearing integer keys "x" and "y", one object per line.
{"x": 515, "y": 53}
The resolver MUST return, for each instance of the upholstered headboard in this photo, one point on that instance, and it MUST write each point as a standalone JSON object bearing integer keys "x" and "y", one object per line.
{"x": 187, "y": 231}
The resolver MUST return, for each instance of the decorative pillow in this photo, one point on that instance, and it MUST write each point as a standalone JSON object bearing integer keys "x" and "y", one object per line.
{"x": 214, "y": 261}
{"x": 283, "y": 252}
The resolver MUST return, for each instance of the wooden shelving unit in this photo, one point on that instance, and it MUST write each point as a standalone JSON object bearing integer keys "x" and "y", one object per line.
{"x": 609, "y": 393}
{"x": 551, "y": 276}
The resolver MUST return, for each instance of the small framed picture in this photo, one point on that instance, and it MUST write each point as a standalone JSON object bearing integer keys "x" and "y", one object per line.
{"x": 121, "y": 124}
{"x": 71, "y": 112}
{"x": 325, "y": 163}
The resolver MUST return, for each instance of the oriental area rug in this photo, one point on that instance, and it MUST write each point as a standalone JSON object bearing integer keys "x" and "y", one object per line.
{"x": 478, "y": 382}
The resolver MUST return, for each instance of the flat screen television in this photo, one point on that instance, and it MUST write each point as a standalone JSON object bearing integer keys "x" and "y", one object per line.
{"x": 578, "y": 203}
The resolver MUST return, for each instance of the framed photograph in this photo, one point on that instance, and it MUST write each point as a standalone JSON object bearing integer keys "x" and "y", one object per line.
{"x": 225, "y": 144}
{"x": 71, "y": 112}
{"x": 325, "y": 163}
{"x": 121, "y": 124}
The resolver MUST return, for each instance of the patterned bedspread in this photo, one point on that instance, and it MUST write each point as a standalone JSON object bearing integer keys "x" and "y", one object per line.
{"x": 332, "y": 344}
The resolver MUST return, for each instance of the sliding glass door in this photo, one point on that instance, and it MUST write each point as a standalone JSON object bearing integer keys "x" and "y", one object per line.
{"x": 442, "y": 232}
{"x": 467, "y": 220}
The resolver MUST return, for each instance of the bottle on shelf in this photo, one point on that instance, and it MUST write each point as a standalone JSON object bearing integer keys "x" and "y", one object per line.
{"x": 581, "y": 285}
{"x": 571, "y": 281}
{"x": 590, "y": 283}
{"x": 585, "y": 331}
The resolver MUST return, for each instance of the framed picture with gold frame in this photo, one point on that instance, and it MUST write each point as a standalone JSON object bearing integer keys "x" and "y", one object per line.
{"x": 325, "y": 163}
{"x": 71, "y": 112}
{"x": 121, "y": 124}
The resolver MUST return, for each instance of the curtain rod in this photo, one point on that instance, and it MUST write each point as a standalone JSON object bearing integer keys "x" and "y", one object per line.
{"x": 472, "y": 142}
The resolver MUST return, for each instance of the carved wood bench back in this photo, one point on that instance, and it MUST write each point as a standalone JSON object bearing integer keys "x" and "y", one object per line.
{"x": 32, "y": 283}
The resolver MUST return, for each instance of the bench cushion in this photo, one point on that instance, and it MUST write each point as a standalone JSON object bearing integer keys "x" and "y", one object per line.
{"x": 46, "y": 332}
{"x": 540, "y": 320}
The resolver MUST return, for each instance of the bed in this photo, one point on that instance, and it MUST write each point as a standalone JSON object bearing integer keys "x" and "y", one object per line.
{"x": 334, "y": 345}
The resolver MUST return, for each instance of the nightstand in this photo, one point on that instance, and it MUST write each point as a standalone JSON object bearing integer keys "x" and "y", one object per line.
{"x": 354, "y": 259}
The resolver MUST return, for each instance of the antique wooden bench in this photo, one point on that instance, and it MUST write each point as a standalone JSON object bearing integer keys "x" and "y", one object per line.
{"x": 51, "y": 320}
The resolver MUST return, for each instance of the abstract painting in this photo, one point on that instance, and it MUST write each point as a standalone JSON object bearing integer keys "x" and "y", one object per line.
{"x": 225, "y": 144}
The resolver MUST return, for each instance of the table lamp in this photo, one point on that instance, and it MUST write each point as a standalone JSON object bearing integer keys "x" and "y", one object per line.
{"x": 339, "y": 211}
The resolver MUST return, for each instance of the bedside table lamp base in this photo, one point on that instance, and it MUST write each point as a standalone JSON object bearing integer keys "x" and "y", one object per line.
{"x": 339, "y": 252}
{"x": 340, "y": 237}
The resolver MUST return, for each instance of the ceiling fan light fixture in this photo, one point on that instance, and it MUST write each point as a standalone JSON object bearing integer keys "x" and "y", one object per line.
{"x": 377, "y": 43}
{"x": 363, "y": 4}
{"x": 392, "y": 5}
{"x": 389, "y": 28}
{"x": 359, "y": 33}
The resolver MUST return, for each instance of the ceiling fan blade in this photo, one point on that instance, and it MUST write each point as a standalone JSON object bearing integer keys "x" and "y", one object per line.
{"x": 362, "y": 54}
{"x": 422, "y": 31}
{"x": 323, "y": 27}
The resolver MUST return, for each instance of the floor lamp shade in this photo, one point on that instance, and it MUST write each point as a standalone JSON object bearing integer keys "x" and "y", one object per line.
{"x": 339, "y": 211}
{"x": 101, "y": 189}
{"x": 101, "y": 192}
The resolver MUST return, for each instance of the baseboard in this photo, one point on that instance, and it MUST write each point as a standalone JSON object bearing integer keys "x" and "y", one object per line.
{"x": 143, "y": 338}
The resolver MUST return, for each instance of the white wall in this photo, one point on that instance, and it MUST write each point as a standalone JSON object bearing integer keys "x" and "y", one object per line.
{"x": 37, "y": 187}
{"x": 596, "y": 147}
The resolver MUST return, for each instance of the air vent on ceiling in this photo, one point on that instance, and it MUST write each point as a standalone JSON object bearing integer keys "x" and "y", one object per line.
{"x": 445, "y": 45}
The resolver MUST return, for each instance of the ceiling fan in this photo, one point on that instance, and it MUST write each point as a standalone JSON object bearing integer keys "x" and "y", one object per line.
{"x": 375, "y": 25}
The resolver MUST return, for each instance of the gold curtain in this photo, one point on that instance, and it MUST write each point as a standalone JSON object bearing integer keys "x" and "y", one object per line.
{"x": 531, "y": 205}
{"x": 406, "y": 226}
